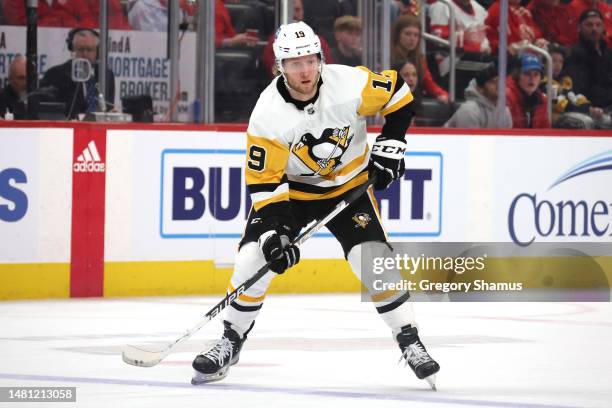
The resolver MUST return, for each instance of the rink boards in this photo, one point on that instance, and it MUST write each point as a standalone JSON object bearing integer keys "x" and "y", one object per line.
{"x": 125, "y": 210}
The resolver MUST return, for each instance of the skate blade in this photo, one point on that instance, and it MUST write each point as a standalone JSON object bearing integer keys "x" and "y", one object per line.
{"x": 431, "y": 380}
{"x": 201, "y": 378}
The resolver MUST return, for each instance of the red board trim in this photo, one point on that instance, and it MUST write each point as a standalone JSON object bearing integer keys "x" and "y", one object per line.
{"x": 241, "y": 127}
{"x": 88, "y": 207}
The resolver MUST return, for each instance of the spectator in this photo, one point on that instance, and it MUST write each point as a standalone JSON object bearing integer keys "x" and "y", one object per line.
{"x": 347, "y": 31}
{"x": 469, "y": 23}
{"x": 478, "y": 111}
{"x": 52, "y": 13}
{"x": 555, "y": 20}
{"x": 67, "y": 13}
{"x": 590, "y": 65}
{"x": 268, "y": 59}
{"x": 565, "y": 99}
{"x": 578, "y": 7}
{"x": 521, "y": 28}
{"x": 409, "y": 7}
{"x": 405, "y": 39}
{"x": 225, "y": 35}
{"x": 526, "y": 102}
{"x": 152, "y": 15}
{"x": 410, "y": 74}
{"x": 79, "y": 97}
{"x": 16, "y": 90}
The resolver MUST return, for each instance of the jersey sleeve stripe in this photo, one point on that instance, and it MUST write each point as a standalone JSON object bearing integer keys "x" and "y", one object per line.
{"x": 399, "y": 100}
{"x": 259, "y": 188}
{"x": 275, "y": 199}
{"x": 264, "y": 196}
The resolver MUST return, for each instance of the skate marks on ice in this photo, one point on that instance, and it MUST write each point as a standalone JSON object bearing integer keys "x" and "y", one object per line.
{"x": 391, "y": 394}
{"x": 310, "y": 344}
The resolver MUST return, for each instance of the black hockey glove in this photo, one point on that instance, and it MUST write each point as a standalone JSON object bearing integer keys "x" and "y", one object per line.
{"x": 276, "y": 247}
{"x": 387, "y": 161}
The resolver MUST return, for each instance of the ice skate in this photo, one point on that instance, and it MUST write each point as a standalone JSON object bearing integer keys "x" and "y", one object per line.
{"x": 214, "y": 363}
{"x": 416, "y": 356}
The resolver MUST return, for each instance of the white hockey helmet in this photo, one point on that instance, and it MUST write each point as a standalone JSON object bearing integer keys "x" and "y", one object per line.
{"x": 295, "y": 40}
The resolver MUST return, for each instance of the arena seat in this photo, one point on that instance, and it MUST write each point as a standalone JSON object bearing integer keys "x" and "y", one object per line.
{"x": 237, "y": 85}
{"x": 434, "y": 113}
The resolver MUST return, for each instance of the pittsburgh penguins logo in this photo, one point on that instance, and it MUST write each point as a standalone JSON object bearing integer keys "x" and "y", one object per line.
{"x": 322, "y": 155}
{"x": 362, "y": 220}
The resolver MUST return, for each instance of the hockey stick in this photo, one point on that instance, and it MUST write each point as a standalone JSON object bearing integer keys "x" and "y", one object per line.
{"x": 148, "y": 358}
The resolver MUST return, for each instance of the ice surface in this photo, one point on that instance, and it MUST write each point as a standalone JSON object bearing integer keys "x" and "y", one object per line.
{"x": 314, "y": 351}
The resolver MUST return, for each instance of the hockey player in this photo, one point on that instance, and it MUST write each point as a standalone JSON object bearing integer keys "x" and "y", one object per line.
{"x": 306, "y": 148}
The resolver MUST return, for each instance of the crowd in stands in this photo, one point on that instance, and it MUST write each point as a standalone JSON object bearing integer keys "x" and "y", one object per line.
{"x": 577, "y": 34}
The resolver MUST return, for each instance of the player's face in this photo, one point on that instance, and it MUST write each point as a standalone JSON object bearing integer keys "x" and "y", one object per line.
{"x": 409, "y": 74}
{"x": 530, "y": 81}
{"x": 409, "y": 38}
{"x": 302, "y": 74}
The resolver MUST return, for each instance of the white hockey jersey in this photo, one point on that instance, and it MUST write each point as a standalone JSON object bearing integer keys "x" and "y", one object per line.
{"x": 321, "y": 151}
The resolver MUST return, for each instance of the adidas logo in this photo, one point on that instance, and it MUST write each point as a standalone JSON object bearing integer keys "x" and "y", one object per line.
{"x": 89, "y": 160}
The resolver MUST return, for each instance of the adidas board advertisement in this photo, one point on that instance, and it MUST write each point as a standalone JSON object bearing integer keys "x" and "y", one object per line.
{"x": 89, "y": 160}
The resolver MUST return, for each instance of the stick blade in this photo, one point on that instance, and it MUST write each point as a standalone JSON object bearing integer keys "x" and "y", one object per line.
{"x": 139, "y": 357}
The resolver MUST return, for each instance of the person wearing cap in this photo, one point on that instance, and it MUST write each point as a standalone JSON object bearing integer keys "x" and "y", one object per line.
{"x": 526, "y": 102}
{"x": 478, "y": 111}
{"x": 590, "y": 64}
{"x": 347, "y": 31}
{"x": 578, "y": 7}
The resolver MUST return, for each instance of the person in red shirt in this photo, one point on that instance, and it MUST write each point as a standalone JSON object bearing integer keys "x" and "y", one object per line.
{"x": 117, "y": 20}
{"x": 578, "y": 7}
{"x": 526, "y": 102}
{"x": 405, "y": 39}
{"x": 521, "y": 27}
{"x": 268, "y": 59}
{"x": 556, "y": 21}
{"x": 225, "y": 34}
{"x": 53, "y": 13}
{"x": 67, "y": 13}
